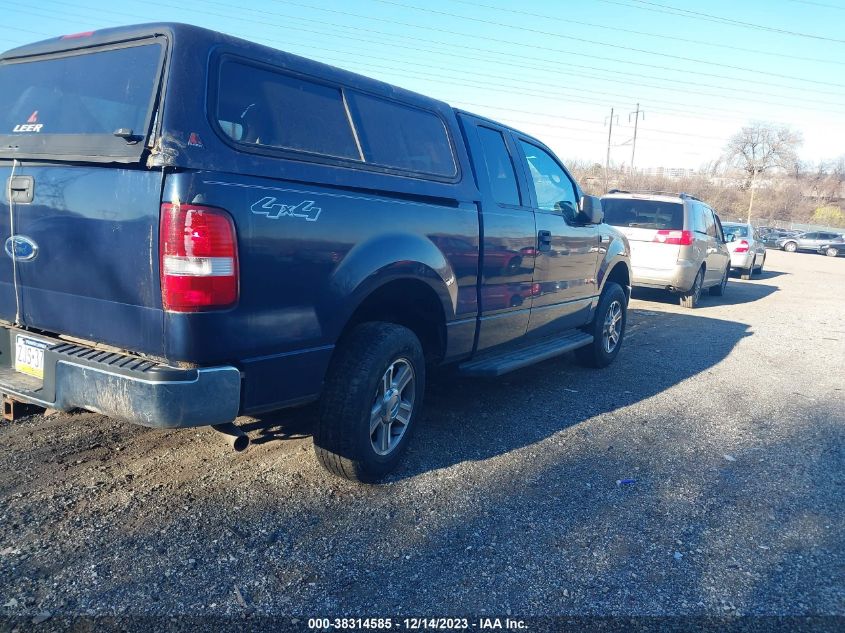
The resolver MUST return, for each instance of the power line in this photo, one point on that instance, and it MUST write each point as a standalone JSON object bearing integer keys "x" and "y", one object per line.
{"x": 820, "y": 4}
{"x": 484, "y": 87}
{"x": 581, "y": 39}
{"x": 662, "y": 36}
{"x": 476, "y": 48}
{"x": 687, "y": 13}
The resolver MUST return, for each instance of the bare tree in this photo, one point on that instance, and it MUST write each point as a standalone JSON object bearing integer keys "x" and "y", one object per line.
{"x": 761, "y": 147}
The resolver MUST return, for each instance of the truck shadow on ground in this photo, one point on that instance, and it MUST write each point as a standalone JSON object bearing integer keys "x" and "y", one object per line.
{"x": 476, "y": 419}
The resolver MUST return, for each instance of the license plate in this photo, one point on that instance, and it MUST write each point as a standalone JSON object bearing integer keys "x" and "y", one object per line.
{"x": 29, "y": 356}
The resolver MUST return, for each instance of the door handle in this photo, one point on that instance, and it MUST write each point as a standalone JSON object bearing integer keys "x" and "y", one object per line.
{"x": 544, "y": 241}
{"x": 21, "y": 188}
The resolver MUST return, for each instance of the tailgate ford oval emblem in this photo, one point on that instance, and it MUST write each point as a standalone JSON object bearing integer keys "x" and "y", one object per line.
{"x": 21, "y": 248}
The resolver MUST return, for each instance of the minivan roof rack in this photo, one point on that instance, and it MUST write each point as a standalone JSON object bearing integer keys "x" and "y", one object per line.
{"x": 680, "y": 194}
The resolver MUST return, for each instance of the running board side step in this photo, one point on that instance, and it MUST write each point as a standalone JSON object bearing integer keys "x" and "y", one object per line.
{"x": 512, "y": 358}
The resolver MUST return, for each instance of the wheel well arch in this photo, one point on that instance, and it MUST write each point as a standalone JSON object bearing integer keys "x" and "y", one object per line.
{"x": 620, "y": 275}
{"x": 411, "y": 303}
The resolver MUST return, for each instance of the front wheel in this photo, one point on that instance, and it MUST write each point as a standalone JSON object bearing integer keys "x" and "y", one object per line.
{"x": 607, "y": 328}
{"x": 690, "y": 299}
{"x": 790, "y": 247}
{"x": 372, "y": 396}
{"x": 831, "y": 252}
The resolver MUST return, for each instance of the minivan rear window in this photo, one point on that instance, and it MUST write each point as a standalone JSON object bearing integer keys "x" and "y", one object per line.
{"x": 75, "y": 103}
{"x": 643, "y": 214}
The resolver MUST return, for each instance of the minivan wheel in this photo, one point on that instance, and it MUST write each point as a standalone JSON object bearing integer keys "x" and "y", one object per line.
{"x": 372, "y": 396}
{"x": 607, "y": 328}
{"x": 718, "y": 291}
{"x": 690, "y": 298}
{"x": 790, "y": 247}
{"x": 831, "y": 252}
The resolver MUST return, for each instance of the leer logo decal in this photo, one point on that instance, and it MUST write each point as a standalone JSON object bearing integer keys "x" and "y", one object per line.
{"x": 275, "y": 210}
{"x": 31, "y": 124}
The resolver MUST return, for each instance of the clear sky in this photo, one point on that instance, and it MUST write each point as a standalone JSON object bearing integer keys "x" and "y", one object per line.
{"x": 699, "y": 70}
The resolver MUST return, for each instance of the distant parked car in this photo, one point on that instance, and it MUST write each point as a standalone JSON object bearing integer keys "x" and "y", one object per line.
{"x": 811, "y": 241}
{"x": 834, "y": 249}
{"x": 677, "y": 242}
{"x": 748, "y": 253}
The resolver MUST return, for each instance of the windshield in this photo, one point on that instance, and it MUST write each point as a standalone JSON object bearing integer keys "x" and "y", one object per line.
{"x": 740, "y": 230}
{"x": 79, "y": 101}
{"x": 643, "y": 214}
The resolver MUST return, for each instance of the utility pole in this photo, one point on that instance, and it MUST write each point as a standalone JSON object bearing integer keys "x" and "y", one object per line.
{"x": 607, "y": 160}
{"x": 636, "y": 114}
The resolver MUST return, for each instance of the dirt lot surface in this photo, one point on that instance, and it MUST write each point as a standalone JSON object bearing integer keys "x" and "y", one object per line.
{"x": 729, "y": 420}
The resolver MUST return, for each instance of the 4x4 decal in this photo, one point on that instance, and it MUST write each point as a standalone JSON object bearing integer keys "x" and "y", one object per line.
{"x": 275, "y": 210}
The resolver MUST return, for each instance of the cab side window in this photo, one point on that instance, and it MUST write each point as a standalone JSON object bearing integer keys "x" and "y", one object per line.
{"x": 553, "y": 188}
{"x": 500, "y": 172}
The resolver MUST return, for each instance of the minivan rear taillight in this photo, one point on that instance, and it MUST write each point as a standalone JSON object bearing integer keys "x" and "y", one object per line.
{"x": 199, "y": 258}
{"x": 679, "y": 238}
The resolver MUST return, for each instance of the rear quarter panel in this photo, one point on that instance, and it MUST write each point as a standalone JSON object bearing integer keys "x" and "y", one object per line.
{"x": 301, "y": 278}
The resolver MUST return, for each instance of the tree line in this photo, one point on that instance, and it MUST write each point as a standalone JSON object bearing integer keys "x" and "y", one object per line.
{"x": 758, "y": 176}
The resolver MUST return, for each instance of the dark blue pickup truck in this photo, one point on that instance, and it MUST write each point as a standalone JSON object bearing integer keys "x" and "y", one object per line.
{"x": 197, "y": 227}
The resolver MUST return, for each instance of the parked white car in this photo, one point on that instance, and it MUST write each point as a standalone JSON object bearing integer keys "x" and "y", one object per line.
{"x": 677, "y": 242}
{"x": 748, "y": 251}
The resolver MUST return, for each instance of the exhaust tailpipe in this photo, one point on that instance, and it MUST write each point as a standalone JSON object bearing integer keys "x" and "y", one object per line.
{"x": 237, "y": 439}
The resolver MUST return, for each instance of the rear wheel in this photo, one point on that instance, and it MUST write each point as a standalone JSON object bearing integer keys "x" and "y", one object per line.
{"x": 747, "y": 273}
{"x": 373, "y": 394}
{"x": 831, "y": 252}
{"x": 763, "y": 263}
{"x": 607, "y": 328}
{"x": 690, "y": 298}
{"x": 790, "y": 247}
{"x": 718, "y": 291}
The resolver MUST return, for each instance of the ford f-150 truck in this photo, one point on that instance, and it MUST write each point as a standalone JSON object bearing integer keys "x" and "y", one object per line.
{"x": 197, "y": 227}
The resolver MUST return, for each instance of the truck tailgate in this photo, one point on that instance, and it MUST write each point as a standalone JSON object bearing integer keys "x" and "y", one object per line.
{"x": 89, "y": 267}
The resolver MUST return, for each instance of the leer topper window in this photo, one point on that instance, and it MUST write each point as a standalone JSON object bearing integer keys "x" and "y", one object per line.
{"x": 93, "y": 103}
{"x": 260, "y": 107}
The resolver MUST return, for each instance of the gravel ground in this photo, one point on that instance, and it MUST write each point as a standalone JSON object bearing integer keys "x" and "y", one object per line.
{"x": 729, "y": 419}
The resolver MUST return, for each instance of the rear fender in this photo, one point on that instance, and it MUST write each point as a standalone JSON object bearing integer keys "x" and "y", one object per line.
{"x": 385, "y": 258}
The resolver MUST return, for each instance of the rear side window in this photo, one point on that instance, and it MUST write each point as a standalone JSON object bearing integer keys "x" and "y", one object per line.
{"x": 402, "y": 137}
{"x": 260, "y": 107}
{"x": 643, "y": 214}
{"x": 500, "y": 170}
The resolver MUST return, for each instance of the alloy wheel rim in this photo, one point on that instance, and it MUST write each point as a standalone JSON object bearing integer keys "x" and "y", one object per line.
{"x": 612, "y": 331}
{"x": 393, "y": 406}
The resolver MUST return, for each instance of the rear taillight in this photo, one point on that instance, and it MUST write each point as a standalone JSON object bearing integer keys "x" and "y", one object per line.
{"x": 741, "y": 247}
{"x": 199, "y": 258}
{"x": 678, "y": 238}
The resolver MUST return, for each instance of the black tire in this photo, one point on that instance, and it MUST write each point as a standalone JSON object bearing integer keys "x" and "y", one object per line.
{"x": 595, "y": 354}
{"x": 690, "y": 298}
{"x": 790, "y": 247}
{"x": 763, "y": 263}
{"x": 831, "y": 252}
{"x": 748, "y": 272}
{"x": 343, "y": 441}
{"x": 718, "y": 291}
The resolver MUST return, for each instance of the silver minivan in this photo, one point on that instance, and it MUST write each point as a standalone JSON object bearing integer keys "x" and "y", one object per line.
{"x": 677, "y": 241}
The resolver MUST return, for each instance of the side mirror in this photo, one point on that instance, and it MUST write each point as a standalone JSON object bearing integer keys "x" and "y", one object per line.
{"x": 589, "y": 208}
